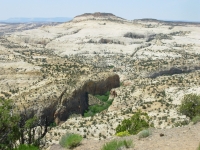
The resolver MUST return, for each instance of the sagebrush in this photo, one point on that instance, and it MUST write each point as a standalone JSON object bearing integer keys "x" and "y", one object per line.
{"x": 117, "y": 144}
{"x": 70, "y": 140}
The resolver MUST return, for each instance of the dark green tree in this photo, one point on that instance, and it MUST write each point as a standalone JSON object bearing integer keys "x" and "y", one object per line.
{"x": 9, "y": 129}
{"x": 190, "y": 105}
{"x": 15, "y": 127}
{"x": 27, "y": 127}
{"x": 135, "y": 124}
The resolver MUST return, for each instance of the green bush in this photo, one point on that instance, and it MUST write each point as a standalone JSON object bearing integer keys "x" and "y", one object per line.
{"x": 144, "y": 133}
{"x": 104, "y": 97}
{"x": 26, "y": 147}
{"x": 9, "y": 130}
{"x": 94, "y": 109}
{"x": 115, "y": 144}
{"x": 52, "y": 125}
{"x": 190, "y": 105}
{"x": 135, "y": 124}
{"x": 16, "y": 128}
{"x": 124, "y": 133}
{"x": 70, "y": 140}
{"x": 198, "y": 148}
{"x": 196, "y": 119}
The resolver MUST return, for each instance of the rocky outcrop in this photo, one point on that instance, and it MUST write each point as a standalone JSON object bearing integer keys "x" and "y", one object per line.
{"x": 92, "y": 100}
{"x": 109, "y": 41}
{"x": 174, "y": 70}
{"x": 77, "y": 101}
{"x": 71, "y": 100}
{"x": 134, "y": 35}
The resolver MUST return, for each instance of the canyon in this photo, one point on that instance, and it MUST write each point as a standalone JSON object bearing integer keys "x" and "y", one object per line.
{"x": 53, "y": 69}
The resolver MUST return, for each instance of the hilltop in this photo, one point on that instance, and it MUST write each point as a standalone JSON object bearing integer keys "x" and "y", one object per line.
{"x": 97, "y": 16}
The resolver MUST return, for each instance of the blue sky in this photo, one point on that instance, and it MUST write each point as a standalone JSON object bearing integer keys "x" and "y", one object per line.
{"x": 187, "y": 10}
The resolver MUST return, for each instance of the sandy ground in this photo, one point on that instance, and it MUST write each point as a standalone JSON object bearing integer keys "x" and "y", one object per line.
{"x": 179, "y": 138}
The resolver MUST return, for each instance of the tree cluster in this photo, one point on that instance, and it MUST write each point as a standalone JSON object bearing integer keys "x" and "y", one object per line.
{"x": 18, "y": 129}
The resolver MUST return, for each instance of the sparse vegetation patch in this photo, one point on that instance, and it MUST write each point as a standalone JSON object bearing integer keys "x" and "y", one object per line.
{"x": 70, "y": 140}
{"x": 124, "y": 133}
{"x": 94, "y": 109}
{"x": 117, "y": 144}
{"x": 26, "y": 147}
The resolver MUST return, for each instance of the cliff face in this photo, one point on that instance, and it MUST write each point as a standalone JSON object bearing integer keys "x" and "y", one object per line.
{"x": 72, "y": 100}
{"x": 174, "y": 70}
{"x": 77, "y": 101}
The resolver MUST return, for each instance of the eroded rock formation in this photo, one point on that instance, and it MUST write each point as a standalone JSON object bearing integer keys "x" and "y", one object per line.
{"x": 73, "y": 100}
{"x": 77, "y": 101}
{"x": 174, "y": 70}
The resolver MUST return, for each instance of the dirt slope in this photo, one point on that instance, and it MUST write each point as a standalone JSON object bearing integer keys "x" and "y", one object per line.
{"x": 179, "y": 138}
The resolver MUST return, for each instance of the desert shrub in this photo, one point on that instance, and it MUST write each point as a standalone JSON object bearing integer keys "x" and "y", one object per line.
{"x": 163, "y": 36}
{"x": 26, "y": 147}
{"x": 117, "y": 144}
{"x": 134, "y": 35}
{"x": 196, "y": 119}
{"x": 181, "y": 123}
{"x": 190, "y": 105}
{"x": 198, "y": 148}
{"x": 124, "y": 133}
{"x": 111, "y": 66}
{"x": 70, "y": 140}
{"x": 144, "y": 133}
{"x": 135, "y": 124}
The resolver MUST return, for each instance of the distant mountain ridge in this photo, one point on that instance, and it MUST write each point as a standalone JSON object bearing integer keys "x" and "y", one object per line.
{"x": 26, "y": 20}
{"x": 169, "y": 21}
